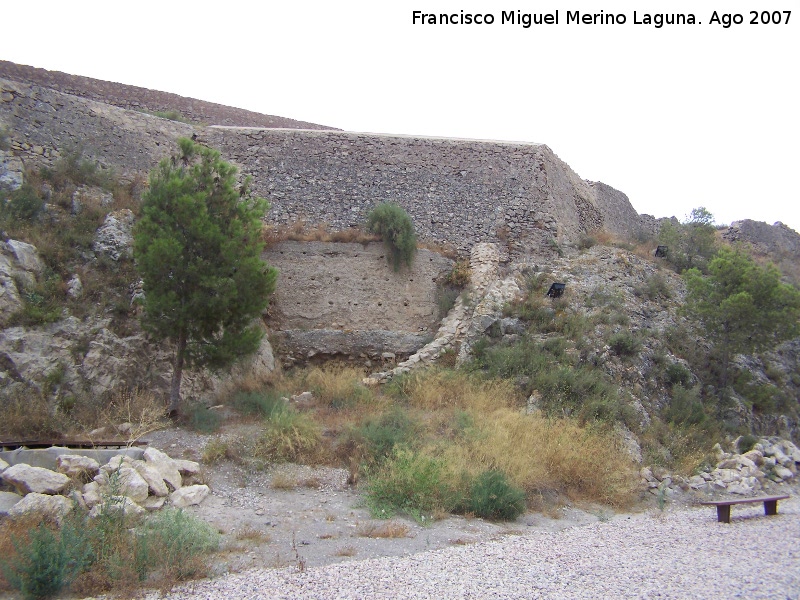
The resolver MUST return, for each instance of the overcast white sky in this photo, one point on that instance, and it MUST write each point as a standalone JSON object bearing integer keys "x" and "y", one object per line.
{"x": 676, "y": 117}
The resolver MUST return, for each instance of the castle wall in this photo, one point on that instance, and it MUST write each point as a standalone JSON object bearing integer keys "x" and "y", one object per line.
{"x": 458, "y": 192}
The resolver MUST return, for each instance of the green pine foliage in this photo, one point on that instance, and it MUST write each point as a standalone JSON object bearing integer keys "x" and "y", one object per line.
{"x": 198, "y": 250}
{"x": 743, "y": 306}
{"x": 393, "y": 224}
{"x": 691, "y": 244}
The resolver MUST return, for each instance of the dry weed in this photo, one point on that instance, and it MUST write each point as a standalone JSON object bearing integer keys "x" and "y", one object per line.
{"x": 338, "y": 386}
{"x": 283, "y": 481}
{"x": 346, "y": 551}
{"x": 392, "y": 529}
{"x": 136, "y": 407}
{"x": 440, "y": 389}
{"x": 300, "y": 231}
{"x": 248, "y": 533}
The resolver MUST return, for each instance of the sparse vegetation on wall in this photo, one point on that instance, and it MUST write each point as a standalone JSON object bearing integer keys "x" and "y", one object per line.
{"x": 393, "y": 224}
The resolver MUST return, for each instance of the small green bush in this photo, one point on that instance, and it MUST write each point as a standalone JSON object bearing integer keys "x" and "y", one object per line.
{"x": 492, "y": 497}
{"x": 746, "y": 443}
{"x": 586, "y": 241}
{"x": 260, "y": 404}
{"x": 654, "y": 288}
{"x": 72, "y": 168}
{"x": 172, "y": 115}
{"x": 393, "y": 224}
{"x": 290, "y": 436}
{"x": 446, "y": 299}
{"x": 410, "y": 482}
{"x": 685, "y": 408}
{"x": 677, "y": 374}
{"x": 202, "y": 420}
{"x": 48, "y": 561}
{"x": 624, "y": 344}
{"x": 390, "y": 430}
{"x": 23, "y": 204}
{"x": 175, "y": 540}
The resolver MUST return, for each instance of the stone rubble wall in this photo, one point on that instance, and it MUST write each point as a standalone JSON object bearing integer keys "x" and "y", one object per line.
{"x": 459, "y": 192}
{"x": 136, "y": 98}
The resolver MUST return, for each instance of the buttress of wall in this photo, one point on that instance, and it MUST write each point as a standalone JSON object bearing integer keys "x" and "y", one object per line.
{"x": 457, "y": 191}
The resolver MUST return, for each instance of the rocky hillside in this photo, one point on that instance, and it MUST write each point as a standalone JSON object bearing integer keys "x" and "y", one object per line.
{"x": 142, "y": 99}
{"x": 68, "y": 286}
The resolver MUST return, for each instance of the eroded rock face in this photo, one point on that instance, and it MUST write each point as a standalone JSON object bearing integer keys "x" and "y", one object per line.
{"x": 19, "y": 262}
{"x": 114, "y": 238}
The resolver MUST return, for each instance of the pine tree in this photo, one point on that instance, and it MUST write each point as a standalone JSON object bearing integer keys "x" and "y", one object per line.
{"x": 745, "y": 307}
{"x": 198, "y": 250}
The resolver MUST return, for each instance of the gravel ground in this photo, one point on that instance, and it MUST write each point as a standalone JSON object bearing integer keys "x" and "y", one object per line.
{"x": 680, "y": 554}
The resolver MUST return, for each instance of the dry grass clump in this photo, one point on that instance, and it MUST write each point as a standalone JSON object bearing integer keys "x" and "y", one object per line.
{"x": 346, "y": 551}
{"x": 436, "y": 389}
{"x": 248, "y": 533}
{"x": 283, "y": 481}
{"x": 338, "y": 386}
{"x": 389, "y": 530}
{"x": 543, "y": 455}
{"x": 300, "y": 231}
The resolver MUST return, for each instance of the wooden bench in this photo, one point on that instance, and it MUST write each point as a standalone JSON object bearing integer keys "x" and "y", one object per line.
{"x": 724, "y": 506}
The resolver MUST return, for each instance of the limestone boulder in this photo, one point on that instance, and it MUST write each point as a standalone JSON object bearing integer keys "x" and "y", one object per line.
{"x": 27, "y": 480}
{"x": 91, "y": 494}
{"x": 45, "y": 506}
{"x": 187, "y": 468}
{"x": 7, "y": 500}
{"x": 117, "y": 504}
{"x": 3, "y": 465}
{"x": 77, "y": 467}
{"x": 25, "y": 256}
{"x": 165, "y": 466}
{"x": 153, "y": 478}
{"x": 189, "y": 495}
{"x": 154, "y": 503}
{"x": 782, "y": 472}
{"x": 124, "y": 481}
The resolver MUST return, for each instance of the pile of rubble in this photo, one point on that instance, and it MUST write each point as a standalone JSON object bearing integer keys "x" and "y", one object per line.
{"x": 123, "y": 483}
{"x": 771, "y": 462}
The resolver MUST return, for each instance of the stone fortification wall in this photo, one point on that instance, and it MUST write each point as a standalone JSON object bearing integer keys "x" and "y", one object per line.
{"x": 325, "y": 285}
{"x": 137, "y": 98}
{"x": 619, "y": 217}
{"x": 457, "y": 191}
{"x": 344, "y": 299}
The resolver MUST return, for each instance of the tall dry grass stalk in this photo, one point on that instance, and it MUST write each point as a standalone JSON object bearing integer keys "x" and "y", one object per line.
{"x": 445, "y": 389}
{"x": 338, "y": 386}
{"x": 140, "y": 408}
{"x": 547, "y": 456}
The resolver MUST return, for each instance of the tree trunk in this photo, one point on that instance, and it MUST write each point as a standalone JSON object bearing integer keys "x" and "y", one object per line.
{"x": 177, "y": 373}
